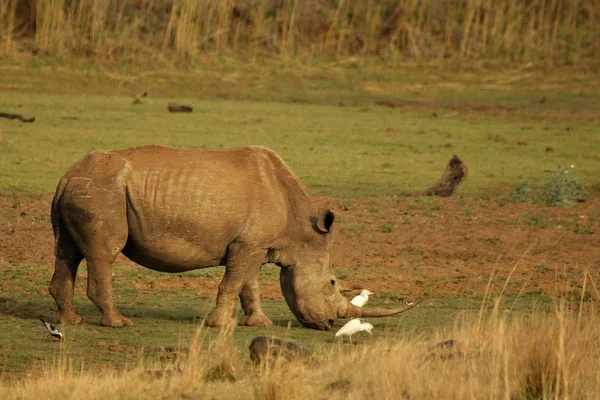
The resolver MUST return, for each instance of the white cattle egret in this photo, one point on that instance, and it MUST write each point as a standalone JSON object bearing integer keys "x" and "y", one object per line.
{"x": 362, "y": 298}
{"x": 353, "y": 326}
{"x": 52, "y": 330}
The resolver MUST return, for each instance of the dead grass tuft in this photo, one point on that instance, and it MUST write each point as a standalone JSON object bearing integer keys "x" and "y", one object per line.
{"x": 504, "y": 356}
{"x": 494, "y": 353}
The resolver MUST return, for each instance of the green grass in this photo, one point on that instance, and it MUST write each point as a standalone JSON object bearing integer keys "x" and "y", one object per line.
{"x": 336, "y": 151}
{"x": 164, "y": 321}
{"x": 356, "y": 150}
{"x": 353, "y": 151}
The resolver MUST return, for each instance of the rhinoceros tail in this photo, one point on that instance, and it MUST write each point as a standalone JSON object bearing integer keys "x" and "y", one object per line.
{"x": 57, "y": 227}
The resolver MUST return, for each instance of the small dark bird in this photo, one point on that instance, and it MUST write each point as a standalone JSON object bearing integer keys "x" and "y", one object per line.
{"x": 137, "y": 99}
{"x": 52, "y": 329}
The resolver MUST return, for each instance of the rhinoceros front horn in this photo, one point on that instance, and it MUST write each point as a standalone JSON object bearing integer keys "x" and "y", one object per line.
{"x": 351, "y": 311}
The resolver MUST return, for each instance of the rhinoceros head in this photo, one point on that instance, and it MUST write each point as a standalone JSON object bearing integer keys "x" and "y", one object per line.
{"x": 309, "y": 285}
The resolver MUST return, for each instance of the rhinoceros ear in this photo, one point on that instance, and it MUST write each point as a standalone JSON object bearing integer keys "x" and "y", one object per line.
{"x": 325, "y": 220}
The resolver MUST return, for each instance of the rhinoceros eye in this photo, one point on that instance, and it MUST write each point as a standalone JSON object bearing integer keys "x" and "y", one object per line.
{"x": 332, "y": 282}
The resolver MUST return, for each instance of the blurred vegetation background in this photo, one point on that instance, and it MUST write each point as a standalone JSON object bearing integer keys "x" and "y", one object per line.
{"x": 188, "y": 32}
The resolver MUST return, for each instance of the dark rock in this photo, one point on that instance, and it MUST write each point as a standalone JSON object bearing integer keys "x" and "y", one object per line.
{"x": 265, "y": 348}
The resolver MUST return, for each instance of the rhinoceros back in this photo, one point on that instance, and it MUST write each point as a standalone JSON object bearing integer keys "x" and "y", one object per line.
{"x": 183, "y": 208}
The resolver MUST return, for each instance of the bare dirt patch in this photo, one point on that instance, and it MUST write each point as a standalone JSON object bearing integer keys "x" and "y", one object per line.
{"x": 25, "y": 231}
{"x": 430, "y": 246}
{"x": 398, "y": 247}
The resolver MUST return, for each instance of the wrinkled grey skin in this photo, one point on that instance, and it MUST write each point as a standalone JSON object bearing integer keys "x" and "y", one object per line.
{"x": 176, "y": 210}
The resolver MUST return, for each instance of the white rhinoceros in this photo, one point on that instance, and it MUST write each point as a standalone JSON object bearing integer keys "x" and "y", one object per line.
{"x": 175, "y": 210}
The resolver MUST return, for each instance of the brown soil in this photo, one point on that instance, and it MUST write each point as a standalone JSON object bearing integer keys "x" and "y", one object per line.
{"x": 398, "y": 247}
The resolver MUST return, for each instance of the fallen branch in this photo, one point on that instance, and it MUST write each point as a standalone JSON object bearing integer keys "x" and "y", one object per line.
{"x": 455, "y": 172}
{"x": 179, "y": 108}
{"x": 16, "y": 116}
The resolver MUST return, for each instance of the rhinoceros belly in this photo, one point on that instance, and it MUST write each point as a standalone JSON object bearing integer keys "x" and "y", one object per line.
{"x": 181, "y": 220}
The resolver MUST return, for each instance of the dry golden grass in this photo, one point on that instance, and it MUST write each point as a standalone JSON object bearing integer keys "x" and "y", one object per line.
{"x": 501, "y": 355}
{"x": 393, "y": 31}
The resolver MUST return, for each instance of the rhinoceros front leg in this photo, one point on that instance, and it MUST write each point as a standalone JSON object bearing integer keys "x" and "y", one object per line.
{"x": 242, "y": 266}
{"x": 250, "y": 299}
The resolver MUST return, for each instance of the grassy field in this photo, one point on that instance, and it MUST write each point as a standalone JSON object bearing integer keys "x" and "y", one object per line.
{"x": 366, "y": 101}
{"x": 393, "y": 132}
{"x": 165, "y": 320}
{"x": 349, "y": 133}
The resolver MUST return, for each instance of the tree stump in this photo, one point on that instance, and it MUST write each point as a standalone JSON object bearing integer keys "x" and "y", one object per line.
{"x": 455, "y": 172}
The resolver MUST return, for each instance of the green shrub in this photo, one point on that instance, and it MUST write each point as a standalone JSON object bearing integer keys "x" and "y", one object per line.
{"x": 521, "y": 193}
{"x": 386, "y": 228}
{"x": 562, "y": 188}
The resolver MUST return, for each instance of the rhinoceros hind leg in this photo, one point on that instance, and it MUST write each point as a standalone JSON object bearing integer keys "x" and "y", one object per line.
{"x": 250, "y": 299}
{"x": 100, "y": 292}
{"x": 63, "y": 281}
{"x": 117, "y": 321}
{"x": 92, "y": 205}
{"x": 98, "y": 225}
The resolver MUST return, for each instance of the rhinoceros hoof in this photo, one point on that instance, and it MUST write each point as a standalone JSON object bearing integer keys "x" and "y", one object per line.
{"x": 115, "y": 322}
{"x": 217, "y": 319}
{"x": 68, "y": 319}
{"x": 255, "y": 320}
